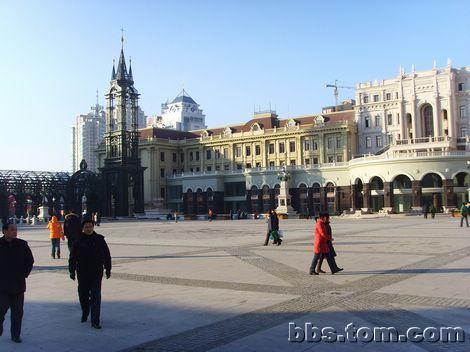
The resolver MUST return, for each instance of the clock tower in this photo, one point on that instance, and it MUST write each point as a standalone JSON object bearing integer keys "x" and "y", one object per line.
{"x": 122, "y": 171}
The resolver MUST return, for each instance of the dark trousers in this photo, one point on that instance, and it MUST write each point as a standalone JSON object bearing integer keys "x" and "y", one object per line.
{"x": 466, "y": 220}
{"x": 70, "y": 244}
{"x": 425, "y": 215}
{"x": 329, "y": 258}
{"x": 15, "y": 302}
{"x": 55, "y": 246}
{"x": 89, "y": 294}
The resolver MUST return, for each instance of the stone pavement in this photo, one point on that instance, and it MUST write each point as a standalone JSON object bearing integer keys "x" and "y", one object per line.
{"x": 212, "y": 286}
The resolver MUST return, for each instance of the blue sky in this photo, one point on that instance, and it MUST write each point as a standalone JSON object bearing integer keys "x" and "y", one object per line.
{"x": 229, "y": 55}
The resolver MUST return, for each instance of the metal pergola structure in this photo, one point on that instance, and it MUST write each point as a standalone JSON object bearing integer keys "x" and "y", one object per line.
{"x": 22, "y": 192}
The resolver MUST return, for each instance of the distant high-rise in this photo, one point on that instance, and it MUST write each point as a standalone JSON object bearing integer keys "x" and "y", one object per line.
{"x": 87, "y": 133}
{"x": 183, "y": 114}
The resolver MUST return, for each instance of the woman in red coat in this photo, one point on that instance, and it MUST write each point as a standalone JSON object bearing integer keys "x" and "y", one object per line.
{"x": 321, "y": 247}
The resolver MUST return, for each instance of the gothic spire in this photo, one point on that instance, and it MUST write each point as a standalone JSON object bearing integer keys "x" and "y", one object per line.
{"x": 113, "y": 74}
{"x": 130, "y": 70}
{"x": 121, "y": 73}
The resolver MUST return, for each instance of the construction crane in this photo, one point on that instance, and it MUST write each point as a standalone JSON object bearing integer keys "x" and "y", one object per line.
{"x": 335, "y": 90}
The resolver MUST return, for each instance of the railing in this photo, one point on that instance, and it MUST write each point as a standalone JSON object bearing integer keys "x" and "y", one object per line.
{"x": 422, "y": 140}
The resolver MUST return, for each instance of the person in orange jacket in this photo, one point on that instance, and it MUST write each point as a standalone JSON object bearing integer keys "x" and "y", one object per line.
{"x": 55, "y": 234}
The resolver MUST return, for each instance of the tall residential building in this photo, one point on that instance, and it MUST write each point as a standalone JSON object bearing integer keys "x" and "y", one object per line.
{"x": 87, "y": 134}
{"x": 183, "y": 114}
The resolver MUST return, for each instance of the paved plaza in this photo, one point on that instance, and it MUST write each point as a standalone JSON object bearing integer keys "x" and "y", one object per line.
{"x": 213, "y": 286}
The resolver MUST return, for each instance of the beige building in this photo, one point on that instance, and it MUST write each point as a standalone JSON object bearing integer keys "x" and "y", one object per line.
{"x": 404, "y": 146}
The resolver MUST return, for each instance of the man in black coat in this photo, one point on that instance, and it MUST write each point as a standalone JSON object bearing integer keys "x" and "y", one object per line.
{"x": 89, "y": 256}
{"x": 72, "y": 228}
{"x": 16, "y": 262}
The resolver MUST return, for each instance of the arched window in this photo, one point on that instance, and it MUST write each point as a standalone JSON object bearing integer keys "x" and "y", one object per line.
{"x": 462, "y": 179}
{"x": 303, "y": 198}
{"x": 431, "y": 180}
{"x": 376, "y": 183}
{"x": 402, "y": 182}
{"x": 428, "y": 123}
{"x": 316, "y": 198}
{"x": 254, "y": 199}
{"x": 266, "y": 199}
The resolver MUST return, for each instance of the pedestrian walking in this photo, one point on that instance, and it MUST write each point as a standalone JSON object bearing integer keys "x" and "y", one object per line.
{"x": 210, "y": 215}
{"x": 425, "y": 210}
{"x": 55, "y": 234}
{"x": 72, "y": 228}
{"x": 16, "y": 262}
{"x": 273, "y": 228}
{"x": 90, "y": 257}
{"x": 331, "y": 248}
{"x": 97, "y": 218}
{"x": 320, "y": 245}
{"x": 463, "y": 214}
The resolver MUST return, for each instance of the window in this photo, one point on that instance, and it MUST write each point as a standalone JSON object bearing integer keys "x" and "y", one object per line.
{"x": 248, "y": 150}
{"x": 329, "y": 143}
{"x": 368, "y": 142}
{"x": 307, "y": 162}
{"x": 257, "y": 149}
{"x": 398, "y": 118}
{"x": 292, "y": 146}
{"x": 238, "y": 152}
{"x": 376, "y": 98}
{"x": 248, "y": 165}
{"x": 378, "y": 141}
{"x": 217, "y": 154}
{"x": 388, "y": 96}
{"x": 463, "y": 112}
{"x": 258, "y": 164}
{"x": 197, "y": 155}
{"x": 191, "y": 156}
{"x": 366, "y": 99}
{"x": 162, "y": 192}
{"x": 463, "y": 132}
{"x": 339, "y": 142}
{"x": 174, "y": 172}
{"x": 315, "y": 161}
{"x": 226, "y": 167}
{"x": 217, "y": 167}
{"x": 198, "y": 169}
{"x": 292, "y": 162}
{"x": 460, "y": 87}
{"x": 271, "y": 164}
{"x": 377, "y": 121}
{"x": 331, "y": 159}
{"x": 239, "y": 166}
{"x": 389, "y": 119}
{"x": 315, "y": 145}
{"x": 271, "y": 148}
{"x": 174, "y": 157}
{"x": 281, "y": 148}
{"x": 339, "y": 158}
{"x": 162, "y": 156}
{"x": 396, "y": 95}
{"x": 390, "y": 138}
{"x": 182, "y": 157}
{"x": 162, "y": 172}
{"x": 209, "y": 168}
{"x": 367, "y": 121}
{"x": 208, "y": 154}
{"x": 225, "y": 153}
{"x": 307, "y": 146}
